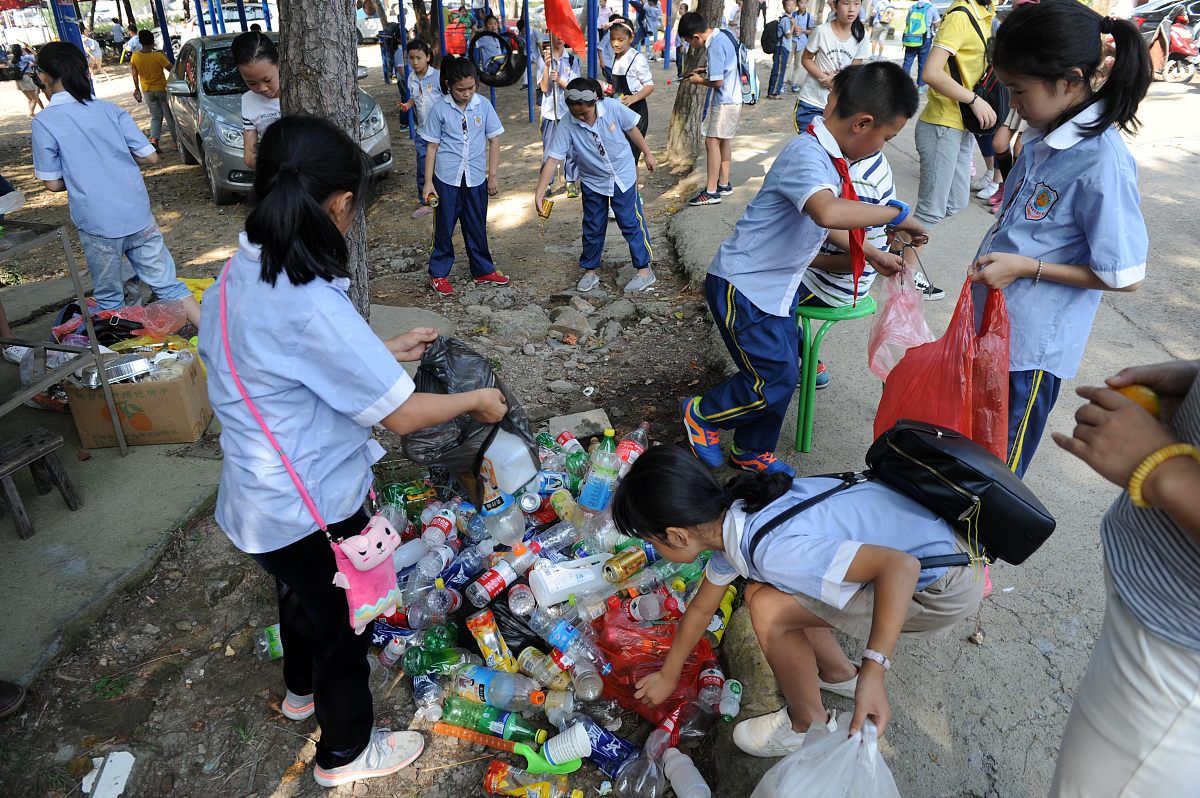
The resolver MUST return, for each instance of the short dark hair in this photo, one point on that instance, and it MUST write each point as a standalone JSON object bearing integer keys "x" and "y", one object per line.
{"x": 419, "y": 44}
{"x": 66, "y": 63}
{"x": 692, "y": 23}
{"x": 146, "y": 38}
{"x": 620, "y": 23}
{"x": 456, "y": 68}
{"x": 879, "y": 88}
{"x": 489, "y": 18}
{"x": 583, "y": 84}
{"x": 302, "y": 162}
{"x": 251, "y": 46}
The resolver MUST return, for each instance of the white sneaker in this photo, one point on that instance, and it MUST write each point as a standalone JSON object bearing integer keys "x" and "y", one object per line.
{"x": 12, "y": 201}
{"x": 771, "y": 735}
{"x": 588, "y": 281}
{"x": 988, "y": 190}
{"x": 387, "y": 752}
{"x": 845, "y": 689}
{"x": 977, "y": 184}
{"x": 13, "y": 354}
{"x": 639, "y": 283}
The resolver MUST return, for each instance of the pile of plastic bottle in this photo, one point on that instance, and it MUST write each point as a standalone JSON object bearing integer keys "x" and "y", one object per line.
{"x": 548, "y": 564}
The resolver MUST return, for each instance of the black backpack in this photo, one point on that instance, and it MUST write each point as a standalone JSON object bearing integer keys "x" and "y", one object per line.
{"x": 989, "y": 88}
{"x": 770, "y": 37}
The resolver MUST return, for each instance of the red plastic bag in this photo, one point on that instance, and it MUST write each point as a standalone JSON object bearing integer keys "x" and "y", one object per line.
{"x": 899, "y": 326}
{"x": 158, "y": 319}
{"x": 959, "y": 381}
{"x": 636, "y": 652}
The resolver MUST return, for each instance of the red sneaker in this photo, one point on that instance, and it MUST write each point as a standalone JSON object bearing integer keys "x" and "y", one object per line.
{"x": 998, "y": 197}
{"x": 441, "y": 285}
{"x": 495, "y": 277}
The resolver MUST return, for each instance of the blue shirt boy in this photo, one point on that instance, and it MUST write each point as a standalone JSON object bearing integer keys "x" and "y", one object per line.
{"x": 722, "y": 65}
{"x": 1068, "y": 199}
{"x": 605, "y": 160}
{"x": 775, "y": 240}
{"x": 461, "y": 136}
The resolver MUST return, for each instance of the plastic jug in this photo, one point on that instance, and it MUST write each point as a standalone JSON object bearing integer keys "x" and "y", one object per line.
{"x": 685, "y": 779}
{"x": 555, "y": 583}
{"x": 507, "y": 463}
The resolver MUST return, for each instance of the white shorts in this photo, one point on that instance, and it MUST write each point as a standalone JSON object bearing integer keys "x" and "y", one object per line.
{"x": 722, "y": 121}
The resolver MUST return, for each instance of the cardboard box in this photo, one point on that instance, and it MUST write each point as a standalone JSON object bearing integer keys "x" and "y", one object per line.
{"x": 176, "y": 411}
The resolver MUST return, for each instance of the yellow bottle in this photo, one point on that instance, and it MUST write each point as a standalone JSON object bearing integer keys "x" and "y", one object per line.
{"x": 716, "y": 627}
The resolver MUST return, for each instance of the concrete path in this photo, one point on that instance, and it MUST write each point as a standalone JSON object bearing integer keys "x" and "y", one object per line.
{"x": 985, "y": 720}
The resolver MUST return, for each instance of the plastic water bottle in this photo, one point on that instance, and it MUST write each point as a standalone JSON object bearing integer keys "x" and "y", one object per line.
{"x": 427, "y": 693}
{"x": 632, "y": 446}
{"x": 434, "y": 608}
{"x": 647, "y": 607}
{"x": 510, "y": 691}
{"x": 506, "y": 523}
{"x": 608, "y": 750}
{"x": 557, "y": 537}
{"x": 560, "y": 634}
{"x": 267, "y": 643}
{"x": 601, "y": 481}
{"x": 491, "y": 584}
{"x": 427, "y": 514}
{"x": 711, "y": 682}
{"x": 731, "y": 699}
{"x": 521, "y": 600}
{"x": 436, "y": 561}
{"x": 685, "y": 779}
{"x": 639, "y": 777}
{"x": 392, "y": 653}
{"x": 477, "y": 529}
{"x": 409, "y": 554}
{"x": 419, "y": 660}
{"x": 584, "y": 676}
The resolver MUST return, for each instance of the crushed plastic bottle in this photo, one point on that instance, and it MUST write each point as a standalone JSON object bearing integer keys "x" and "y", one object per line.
{"x": 521, "y": 600}
{"x": 731, "y": 699}
{"x": 510, "y": 691}
{"x": 268, "y": 645}
{"x": 639, "y": 777}
{"x": 646, "y": 607}
{"x": 710, "y": 683}
{"x": 419, "y": 660}
{"x": 433, "y": 608}
{"x": 504, "y": 520}
{"x": 568, "y": 639}
{"x": 584, "y": 677}
{"x": 542, "y": 669}
{"x": 608, "y": 750}
{"x": 427, "y": 693}
{"x": 482, "y": 626}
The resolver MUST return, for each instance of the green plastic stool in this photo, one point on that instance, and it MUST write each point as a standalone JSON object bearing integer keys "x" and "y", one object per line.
{"x": 810, "y": 349}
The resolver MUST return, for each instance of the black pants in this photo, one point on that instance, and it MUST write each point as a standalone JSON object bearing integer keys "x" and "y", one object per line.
{"x": 322, "y": 655}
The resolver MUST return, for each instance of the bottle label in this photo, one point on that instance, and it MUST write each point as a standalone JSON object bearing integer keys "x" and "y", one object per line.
{"x": 491, "y": 643}
{"x": 274, "y": 644}
{"x": 556, "y": 579}
{"x": 609, "y": 751}
{"x": 597, "y": 492}
{"x": 561, "y": 681}
{"x": 493, "y": 720}
{"x": 711, "y": 677}
{"x": 528, "y": 660}
{"x": 472, "y": 683}
{"x": 568, "y": 442}
{"x": 551, "y": 481}
{"x": 629, "y": 450}
{"x": 444, "y": 520}
{"x": 495, "y": 580}
{"x": 562, "y": 635}
{"x": 562, "y": 659}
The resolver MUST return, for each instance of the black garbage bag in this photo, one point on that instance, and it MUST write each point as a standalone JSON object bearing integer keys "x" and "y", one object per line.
{"x": 514, "y": 628}
{"x": 450, "y": 366}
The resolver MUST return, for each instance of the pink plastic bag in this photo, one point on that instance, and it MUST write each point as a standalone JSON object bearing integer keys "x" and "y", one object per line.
{"x": 158, "y": 319}
{"x": 959, "y": 381}
{"x": 899, "y": 326}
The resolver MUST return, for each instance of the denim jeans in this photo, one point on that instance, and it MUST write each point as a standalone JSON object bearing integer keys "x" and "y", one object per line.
{"x": 148, "y": 254}
{"x": 920, "y": 54}
{"x": 158, "y": 105}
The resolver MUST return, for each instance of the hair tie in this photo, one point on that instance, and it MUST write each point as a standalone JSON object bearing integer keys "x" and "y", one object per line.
{"x": 1106, "y": 25}
{"x": 581, "y": 96}
{"x": 288, "y": 166}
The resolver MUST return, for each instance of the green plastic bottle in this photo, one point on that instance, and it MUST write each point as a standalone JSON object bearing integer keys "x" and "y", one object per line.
{"x": 609, "y": 442}
{"x": 440, "y": 637}
{"x": 490, "y": 720}
{"x": 419, "y": 660}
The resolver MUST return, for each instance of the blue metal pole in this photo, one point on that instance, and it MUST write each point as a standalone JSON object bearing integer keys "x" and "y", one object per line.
{"x": 530, "y": 51}
{"x": 668, "y": 39}
{"x": 241, "y": 7}
{"x": 212, "y": 16}
{"x": 625, "y": 9}
{"x": 167, "y": 48}
{"x": 412, "y": 124}
{"x": 200, "y": 19}
{"x": 267, "y": 14}
{"x": 593, "y": 14}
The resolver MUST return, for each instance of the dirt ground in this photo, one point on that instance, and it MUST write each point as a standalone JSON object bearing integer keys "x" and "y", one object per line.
{"x": 168, "y": 671}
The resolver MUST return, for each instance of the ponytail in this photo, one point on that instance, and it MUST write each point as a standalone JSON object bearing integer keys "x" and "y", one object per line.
{"x": 857, "y": 29}
{"x": 1049, "y": 40}
{"x": 669, "y": 487}
{"x": 302, "y": 162}
{"x": 67, "y": 64}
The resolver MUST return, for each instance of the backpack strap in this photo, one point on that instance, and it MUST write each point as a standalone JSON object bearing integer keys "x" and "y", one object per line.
{"x": 849, "y": 479}
{"x": 953, "y": 62}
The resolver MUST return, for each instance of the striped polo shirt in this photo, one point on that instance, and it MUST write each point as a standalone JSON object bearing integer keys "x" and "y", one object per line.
{"x": 1154, "y": 564}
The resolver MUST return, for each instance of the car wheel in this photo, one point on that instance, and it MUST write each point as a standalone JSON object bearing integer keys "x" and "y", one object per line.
{"x": 220, "y": 196}
{"x": 358, "y": 33}
{"x": 186, "y": 155}
{"x": 383, "y": 175}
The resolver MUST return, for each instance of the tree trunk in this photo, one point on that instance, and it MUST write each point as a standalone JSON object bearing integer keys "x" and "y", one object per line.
{"x": 426, "y": 33}
{"x": 318, "y": 59}
{"x": 684, "y": 139}
{"x": 1102, "y": 7}
{"x": 92, "y": 20}
{"x": 748, "y": 26}
{"x": 129, "y": 18}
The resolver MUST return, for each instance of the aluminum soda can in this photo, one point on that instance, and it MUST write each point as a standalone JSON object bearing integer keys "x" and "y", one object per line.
{"x": 547, "y": 207}
{"x": 624, "y": 565}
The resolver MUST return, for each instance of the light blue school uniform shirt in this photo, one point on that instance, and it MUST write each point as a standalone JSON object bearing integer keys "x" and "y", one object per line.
{"x": 461, "y": 135}
{"x": 804, "y": 22}
{"x": 722, "y": 65}
{"x": 775, "y": 240}
{"x": 426, "y": 91}
{"x": 320, "y": 378}
{"x": 89, "y": 146}
{"x": 605, "y": 161}
{"x": 554, "y": 102}
{"x": 786, "y": 25}
{"x": 1068, "y": 199}
{"x": 811, "y": 552}
{"x": 488, "y": 49}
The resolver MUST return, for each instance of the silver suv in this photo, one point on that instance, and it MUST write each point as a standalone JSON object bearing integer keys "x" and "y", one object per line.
{"x": 206, "y": 98}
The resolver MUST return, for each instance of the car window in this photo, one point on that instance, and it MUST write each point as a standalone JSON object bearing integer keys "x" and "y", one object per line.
{"x": 219, "y": 75}
{"x": 189, "y": 67}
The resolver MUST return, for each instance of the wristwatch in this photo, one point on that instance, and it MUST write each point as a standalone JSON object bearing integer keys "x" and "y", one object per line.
{"x": 895, "y": 203}
{"x": 875, "y": 656}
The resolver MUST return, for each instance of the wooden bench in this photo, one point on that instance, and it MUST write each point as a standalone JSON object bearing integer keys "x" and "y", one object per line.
{"x": 35, "y": 450}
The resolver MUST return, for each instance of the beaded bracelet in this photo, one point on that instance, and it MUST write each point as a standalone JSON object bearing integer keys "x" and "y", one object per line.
{"x": 1154, "y": 461}
{"x": 1038, "y": 278}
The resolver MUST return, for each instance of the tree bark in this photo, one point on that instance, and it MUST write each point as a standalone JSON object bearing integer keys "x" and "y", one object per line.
{"x": 426, "y": 33}
{"x": 684, "y": 139}
{"x": 318, "y": 59}
{"x": 129, "y": 18}
{"x": 748, "y": 26}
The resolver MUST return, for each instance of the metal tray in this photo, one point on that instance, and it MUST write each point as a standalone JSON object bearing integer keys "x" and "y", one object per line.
{"x": 122, "y": 369}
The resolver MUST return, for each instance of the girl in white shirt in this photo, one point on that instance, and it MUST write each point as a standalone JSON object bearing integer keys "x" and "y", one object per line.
{"x": 257, "y": 61}
{"x": 632, "y": 81}
{"x": 832, "y": 47}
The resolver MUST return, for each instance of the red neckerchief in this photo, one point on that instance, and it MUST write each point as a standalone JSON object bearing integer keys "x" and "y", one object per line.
{"x": 858, "y": 261}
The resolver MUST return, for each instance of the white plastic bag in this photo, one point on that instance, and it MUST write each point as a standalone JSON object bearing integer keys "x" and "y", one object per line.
{"x": 830, "y": 765}
{"x": 899, "y": 325}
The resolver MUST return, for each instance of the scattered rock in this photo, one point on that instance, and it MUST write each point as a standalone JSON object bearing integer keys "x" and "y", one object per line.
{"x": 538, "y": 413}
{"x": 622, "y": 310}
{"x": 530, "y": 350}
{"x": 645, "y": 320}
{"x": 529, "y": 323}
{"x": 977, "y": 637}
{"x": 582, "y": 406}
{"x": 404, "y": 265}
{"x": 611, "y": 330}
{"x": 561, "y": 386}
{"x": 183, "y": 626}
{"x": 79, "y": 767}
{"x": 64, "y": 754}
{"x": 501, "y": 301}
{"x": 175, "y": 575}
{"x": 505, "y": 349}
{"x": 478, "y": 311}
{"x": 583, "y": 424}
{"x": 582, "y": 305}
{"x": 475, "y": 297}
{"x": 570, "y": 321}
{"x": 150, "y": 629}
{"x": 652, "y": 307}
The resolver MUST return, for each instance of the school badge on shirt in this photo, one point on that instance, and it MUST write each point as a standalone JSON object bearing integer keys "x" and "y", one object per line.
{"x": 478, "y": 120}
{"x": 612, "y": 127}
{"x": 1040, "y": 203}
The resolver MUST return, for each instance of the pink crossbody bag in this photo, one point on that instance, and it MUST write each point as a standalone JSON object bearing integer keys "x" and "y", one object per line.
{"x": 364, "y": 561}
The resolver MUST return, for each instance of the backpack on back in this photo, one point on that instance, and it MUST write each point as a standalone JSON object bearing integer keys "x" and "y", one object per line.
{"x": 770, "y": 37}
{"x": 747, "y": 77}
{"x": 916, "y": 26}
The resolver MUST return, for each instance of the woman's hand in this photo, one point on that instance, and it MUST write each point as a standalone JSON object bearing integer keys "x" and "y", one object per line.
{"x": 1114, "y": 434}
{"x": 490, "y": 405}
{"x": 1001, "y": 269}
{"x": 1171, "y": 381}
{"x": 411, "y": 345}
{"x": 826, "y": 79}
{"x": 656, "y": 688}
{"x": 870, "y": 699}
{"x": 985, "y": 113}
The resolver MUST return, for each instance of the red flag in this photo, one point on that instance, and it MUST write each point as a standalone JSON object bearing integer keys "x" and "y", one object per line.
{"x": 560, "y": 20}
